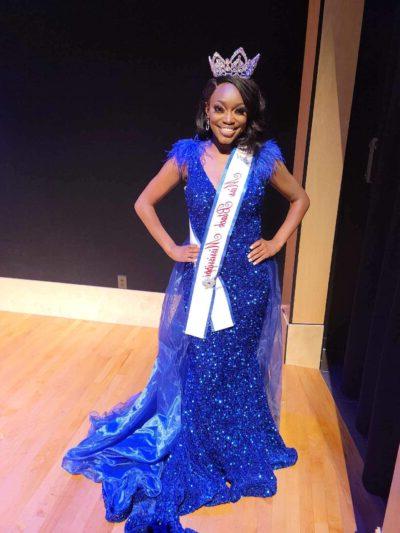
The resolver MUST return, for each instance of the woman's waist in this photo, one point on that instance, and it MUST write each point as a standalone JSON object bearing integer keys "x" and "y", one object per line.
{"x": 242, "y": 233}
{"x": 235, "y": 266}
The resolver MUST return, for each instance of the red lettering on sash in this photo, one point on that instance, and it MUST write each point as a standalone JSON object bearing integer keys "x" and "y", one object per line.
{"x": 212, "y": 248}
{"x": 223, "y": 212}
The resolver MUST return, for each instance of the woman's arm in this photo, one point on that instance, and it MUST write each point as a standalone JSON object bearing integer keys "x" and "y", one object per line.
{"x": 163, "y": 182}
{"x": 284, "y": 182}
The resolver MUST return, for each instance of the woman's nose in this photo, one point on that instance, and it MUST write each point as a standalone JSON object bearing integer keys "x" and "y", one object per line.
{"x": 228, "y": 118}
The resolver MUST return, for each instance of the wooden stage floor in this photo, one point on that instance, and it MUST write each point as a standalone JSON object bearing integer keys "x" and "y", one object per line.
{"x": 55, "y": 370}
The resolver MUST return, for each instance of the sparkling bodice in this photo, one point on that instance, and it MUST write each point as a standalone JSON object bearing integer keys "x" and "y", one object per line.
{"x": 200, "y": 192}
{"x": 200, "y": 196}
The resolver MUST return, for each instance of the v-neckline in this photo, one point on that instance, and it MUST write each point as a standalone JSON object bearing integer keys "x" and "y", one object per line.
{"x": 216, "y": 189}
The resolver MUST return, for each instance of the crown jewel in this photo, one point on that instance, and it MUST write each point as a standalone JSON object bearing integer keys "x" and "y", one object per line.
{"x": 237, "y": 65}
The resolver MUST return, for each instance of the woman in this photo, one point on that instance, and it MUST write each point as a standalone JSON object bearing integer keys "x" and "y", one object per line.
{"x": 204, "y": 431}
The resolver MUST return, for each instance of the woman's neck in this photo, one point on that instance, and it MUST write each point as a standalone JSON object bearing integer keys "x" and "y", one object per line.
{"x": 221, "y": 148}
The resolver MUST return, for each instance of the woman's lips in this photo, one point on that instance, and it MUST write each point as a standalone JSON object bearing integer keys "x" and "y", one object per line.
{"x": 227, "y": 132}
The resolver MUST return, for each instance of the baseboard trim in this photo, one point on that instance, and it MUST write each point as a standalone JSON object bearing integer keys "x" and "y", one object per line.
{"x": 84, "y": 302}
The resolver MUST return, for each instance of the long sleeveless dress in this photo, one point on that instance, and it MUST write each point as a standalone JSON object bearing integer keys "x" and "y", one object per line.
{"x": 205, "y": 429}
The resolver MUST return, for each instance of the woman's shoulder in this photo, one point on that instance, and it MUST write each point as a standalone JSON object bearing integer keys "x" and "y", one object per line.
{"x": 267, "y": 156}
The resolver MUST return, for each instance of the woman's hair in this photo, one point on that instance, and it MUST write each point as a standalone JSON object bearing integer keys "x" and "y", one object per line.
{"x": 253, "y": 136}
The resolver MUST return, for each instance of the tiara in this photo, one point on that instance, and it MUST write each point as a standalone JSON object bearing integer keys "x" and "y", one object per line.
{"x": 237, "y": 65}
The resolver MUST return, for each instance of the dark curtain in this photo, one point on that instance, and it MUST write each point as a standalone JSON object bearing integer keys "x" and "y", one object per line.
{"x": 371, "y": 370}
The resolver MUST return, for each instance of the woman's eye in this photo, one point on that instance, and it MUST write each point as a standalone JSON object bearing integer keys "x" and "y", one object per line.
{"x": 219, "y": 109}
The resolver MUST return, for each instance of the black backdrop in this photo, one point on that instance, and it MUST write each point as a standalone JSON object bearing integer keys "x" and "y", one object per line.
{"x": 363, "y": 327}
{"x": 372, "y": 362}
{"x": 93, "y": 94}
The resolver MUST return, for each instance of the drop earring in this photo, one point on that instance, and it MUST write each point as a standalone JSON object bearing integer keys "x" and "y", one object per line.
{"x": 207, "y": 124}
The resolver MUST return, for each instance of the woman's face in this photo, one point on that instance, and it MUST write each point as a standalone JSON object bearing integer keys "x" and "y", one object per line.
{"x": 227, "y": 113}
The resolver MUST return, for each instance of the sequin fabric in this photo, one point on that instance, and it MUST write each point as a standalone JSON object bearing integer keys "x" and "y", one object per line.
{"x": 228, "y": 444}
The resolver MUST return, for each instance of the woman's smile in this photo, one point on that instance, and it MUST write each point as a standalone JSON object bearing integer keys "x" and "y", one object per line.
{"x": 227, "y": 131}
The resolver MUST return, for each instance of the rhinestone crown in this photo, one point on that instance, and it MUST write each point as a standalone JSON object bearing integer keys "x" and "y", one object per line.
{"x": 237, "y": 65}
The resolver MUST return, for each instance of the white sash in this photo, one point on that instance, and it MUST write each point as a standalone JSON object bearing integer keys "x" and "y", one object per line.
{"x": 208, "y": 292}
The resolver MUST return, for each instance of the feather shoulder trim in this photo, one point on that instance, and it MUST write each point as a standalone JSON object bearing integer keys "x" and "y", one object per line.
{"x": 266, "y": 158}
{"x": 184, "y": 151}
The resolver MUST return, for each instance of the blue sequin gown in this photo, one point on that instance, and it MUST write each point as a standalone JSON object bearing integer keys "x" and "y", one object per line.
{"x": 204, "y": 431}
